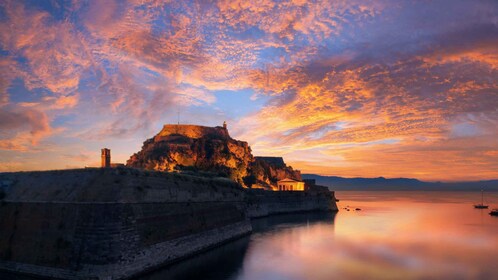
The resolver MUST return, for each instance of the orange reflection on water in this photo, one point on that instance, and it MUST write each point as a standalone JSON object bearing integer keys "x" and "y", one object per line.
{"x": 395, "y": 236}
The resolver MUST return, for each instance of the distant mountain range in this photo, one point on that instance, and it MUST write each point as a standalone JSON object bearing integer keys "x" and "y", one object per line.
{"x": 398, "y": 184}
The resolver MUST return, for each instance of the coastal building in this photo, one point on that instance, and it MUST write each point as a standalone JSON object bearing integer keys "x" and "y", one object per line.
{"x": 288, "y": 184}
{"x": 105, "y": 158}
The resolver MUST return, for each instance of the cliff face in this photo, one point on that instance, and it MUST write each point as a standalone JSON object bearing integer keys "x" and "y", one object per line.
{"x": 268, "y": 170}
{"x": 200, "y": 148}
{"x": 186, "y": 147}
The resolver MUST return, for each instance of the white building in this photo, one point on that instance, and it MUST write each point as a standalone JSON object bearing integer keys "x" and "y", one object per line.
{"x": 290, "y": 185}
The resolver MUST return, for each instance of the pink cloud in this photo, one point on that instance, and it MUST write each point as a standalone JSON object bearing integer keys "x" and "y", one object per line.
{"x": 22, "y": 128}
{"x": 337, "y": 73}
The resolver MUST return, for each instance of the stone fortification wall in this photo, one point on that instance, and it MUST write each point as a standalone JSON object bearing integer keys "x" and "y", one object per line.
{"x": 112, "y": 223}
{"x": 193, "y": 131}
{"x": 115, "y": 185}
{"x": 111, "y": 240}
{"x": 263, "y": 203}
{"x": 116, "y": 223}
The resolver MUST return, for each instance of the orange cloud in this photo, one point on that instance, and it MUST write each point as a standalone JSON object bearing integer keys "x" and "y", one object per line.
{"x": 14, "y": 125}
{"x": 381, "y": 121}
{"x": 54, "y": 51}
{"x": 431, "y": 160}
{"x": 355, "y": 82}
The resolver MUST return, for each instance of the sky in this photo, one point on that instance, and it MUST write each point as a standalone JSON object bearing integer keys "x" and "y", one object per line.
{"x": 347, "y": 88}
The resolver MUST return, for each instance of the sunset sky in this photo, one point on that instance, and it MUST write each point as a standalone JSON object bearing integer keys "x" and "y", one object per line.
{"x": 347, "y": 88}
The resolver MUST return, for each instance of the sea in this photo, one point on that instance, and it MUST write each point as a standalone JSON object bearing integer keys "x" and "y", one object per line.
{"x": 375, "y": 235}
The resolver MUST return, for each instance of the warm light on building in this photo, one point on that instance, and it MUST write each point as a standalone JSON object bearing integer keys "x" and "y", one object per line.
{"x": 290, "y": 185}
{"x": 106, "y": 158}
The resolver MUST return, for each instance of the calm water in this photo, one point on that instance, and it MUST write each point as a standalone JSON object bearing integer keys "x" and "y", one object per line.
{"x": 396, "y": 235}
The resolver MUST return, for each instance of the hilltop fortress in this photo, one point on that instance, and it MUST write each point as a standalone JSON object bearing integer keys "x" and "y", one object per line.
{"x": 192, "y": 131}
{"x": 210, "y": 149}
{"x": 118, "y": 222}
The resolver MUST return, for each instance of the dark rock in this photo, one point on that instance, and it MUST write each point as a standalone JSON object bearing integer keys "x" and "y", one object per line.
{"x": 194, "y": 148}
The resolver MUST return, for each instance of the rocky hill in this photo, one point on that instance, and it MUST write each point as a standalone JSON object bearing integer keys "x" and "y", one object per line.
{"x": 268, "y": 170}
{"x": 209, "y": 149}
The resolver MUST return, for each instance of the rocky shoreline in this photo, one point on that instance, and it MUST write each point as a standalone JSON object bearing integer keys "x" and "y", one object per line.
{"x": 117, "y": 223}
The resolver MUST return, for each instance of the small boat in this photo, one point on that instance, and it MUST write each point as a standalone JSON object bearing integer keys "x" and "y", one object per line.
{"x": 494, "y": 212}
{"x": 481, "y": 205}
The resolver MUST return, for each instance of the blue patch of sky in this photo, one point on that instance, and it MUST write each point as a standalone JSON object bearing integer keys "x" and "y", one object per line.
{"x": 3, "y": 15}
{"x": 62, "y": 120}
{"x": 89, "y": 82}
{"x": 271, "y": 55}
{"x": 57, "y": 9}
{"x": 390, "y": 141}
{"x": 252, "y": 33}
{"x": 163, "y": 23}
{"x": 318, "y": 133}
{"x": 19, "y": 93}
{"x": 21, "y": 60}
{"x": 380, "y": 37}
{"x": 385, "y": 141}
{"x": 350, "y": 37}
{"x": 150, "y": 72}
{"x": 321, "y": 132}
{"x": 237, "y": 104}
{"x": 465, "y": 130}
{"x": 108, "y": 66}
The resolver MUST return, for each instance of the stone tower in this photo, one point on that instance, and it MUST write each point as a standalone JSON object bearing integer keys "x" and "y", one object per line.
{"x": 106, "y": 157}
{"x": 225, "y": 125}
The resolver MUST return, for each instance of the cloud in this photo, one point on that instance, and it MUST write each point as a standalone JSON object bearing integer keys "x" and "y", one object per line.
{"x": 370, "y": 98}
{"x": 54, "y": 51}
{"x": 355, "y": 76}
{"x": 22, "y": 127}
{"x": 80, "y": 157}
{"x": 63, "y": 102}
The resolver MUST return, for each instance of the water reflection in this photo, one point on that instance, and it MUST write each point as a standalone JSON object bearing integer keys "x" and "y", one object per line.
{"x": 220, "y": 263}
{"x": 229, "y": 261}
{"x": 399, "y": 235}
{"x": 396, "y": 235}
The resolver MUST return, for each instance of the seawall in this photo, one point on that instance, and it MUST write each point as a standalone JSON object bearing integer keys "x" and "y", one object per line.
{"x": 264, "y": 203}
{"x": 116, "y": 223}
